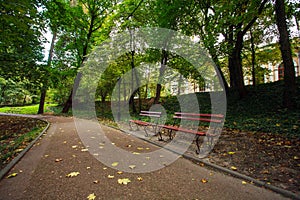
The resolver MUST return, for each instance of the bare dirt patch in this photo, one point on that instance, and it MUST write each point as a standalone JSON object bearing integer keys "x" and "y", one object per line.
{"x": 271, "y": 158}
{"x": 15, "y": 134}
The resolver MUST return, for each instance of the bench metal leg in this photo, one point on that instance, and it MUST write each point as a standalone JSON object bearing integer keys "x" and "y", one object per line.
{"x": 170, "y": 134}
{"x": 160, "y": 136}
{"x": 197, "y": 144}
{"x": 145, "y": 129}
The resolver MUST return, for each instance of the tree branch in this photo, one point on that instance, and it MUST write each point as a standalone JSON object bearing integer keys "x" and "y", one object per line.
{"x": 131, "y": 14}
{"x": 260, "y": 9}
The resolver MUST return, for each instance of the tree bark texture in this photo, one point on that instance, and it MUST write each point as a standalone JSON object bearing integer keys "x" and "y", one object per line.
{"x": 161, "y": 74}
{"x": 44, "y": 87}
{"x": 285, "y": 48}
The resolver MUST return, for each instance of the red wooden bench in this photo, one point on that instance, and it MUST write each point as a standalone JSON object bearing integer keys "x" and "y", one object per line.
{"x": 200, "y": 118}
{"x": 153, "y": 122}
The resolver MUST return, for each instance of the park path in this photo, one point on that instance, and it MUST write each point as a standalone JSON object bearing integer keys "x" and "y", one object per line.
{"x": 42, "y": 173}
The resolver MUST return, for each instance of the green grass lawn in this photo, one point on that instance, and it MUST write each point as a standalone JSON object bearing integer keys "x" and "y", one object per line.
{"x": 31, "y": 109}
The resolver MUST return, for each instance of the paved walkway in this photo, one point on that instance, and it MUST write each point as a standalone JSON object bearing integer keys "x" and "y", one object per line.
{"x": 42, "y": 173}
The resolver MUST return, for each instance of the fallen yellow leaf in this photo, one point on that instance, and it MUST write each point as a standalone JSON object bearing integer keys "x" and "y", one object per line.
{"x": 131, "y": 166}
{"x": 119, "y": 172}
{"x": 58, "y": 159}
{"x": 233, "y": 168}
{"x": 139, "y": 178}
{"x": 204, "y": 180}
{"x": 83, "y": 150}
{"x": 110, "y": 176}
{"x": 72, "y": 174}
{"x": 114, "y": 164}
{"x": 231, "y": 152}
{"x": 12, "y": 175}
{"x": 91, "y": 196}
{"x": 135, "y": 153}
{"x": 244, "y": 182}
{"x": 139, "y": 148}
{"x": 124, "y": 181}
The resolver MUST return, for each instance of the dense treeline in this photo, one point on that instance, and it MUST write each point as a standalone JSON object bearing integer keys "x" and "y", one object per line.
{"x": 232, "y": 32}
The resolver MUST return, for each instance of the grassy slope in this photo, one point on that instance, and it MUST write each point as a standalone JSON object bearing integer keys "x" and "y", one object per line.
{"x": 260, "y": 111}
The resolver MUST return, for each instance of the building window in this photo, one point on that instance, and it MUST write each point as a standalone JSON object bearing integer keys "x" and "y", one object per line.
{"x": 280, "y": 71}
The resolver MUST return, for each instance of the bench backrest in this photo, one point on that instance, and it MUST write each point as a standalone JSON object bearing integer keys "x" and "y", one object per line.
{"x": 150, "y": 113}
{"x": 201, "y": 117}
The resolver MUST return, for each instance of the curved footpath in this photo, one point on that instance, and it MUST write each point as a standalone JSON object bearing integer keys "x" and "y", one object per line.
{"x": 43, "y": 169}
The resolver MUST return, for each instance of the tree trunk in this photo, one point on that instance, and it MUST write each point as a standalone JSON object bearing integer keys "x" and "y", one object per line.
{"x": 215, "y": 58}
{"x": 179, "y": 84}
{"x": 147, "y": 84}
{"x": 42, "y": 100}
{"x": 285, "y": 48}
{"x": 124, "y": 91}
{"x": 253, "y": 58}
{"x": 131, "y": 100}
{"x": 161, "y": 74}
{"x": 235, "y": 65}
{"x": 45, "y": 84}
{"x": 68, "y": 103}
{"x": 297, "y": 25}
{"x": 235, "y": 60}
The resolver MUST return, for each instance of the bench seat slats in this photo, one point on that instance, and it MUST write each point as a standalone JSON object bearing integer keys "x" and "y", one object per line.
{"x": 145, "y": 124}
{"x": 142, "y": 123}
{"x": 200, "y": 115}
{"x": 175, "y": 128}
{"x": 217, "y": 119}
{"x": 150, "y": 115}
{"x": 198, "y": 119}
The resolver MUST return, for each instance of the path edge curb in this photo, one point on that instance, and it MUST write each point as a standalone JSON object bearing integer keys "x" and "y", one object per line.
{"x": 12, "y": 163}
{"x": 276, "y": 189}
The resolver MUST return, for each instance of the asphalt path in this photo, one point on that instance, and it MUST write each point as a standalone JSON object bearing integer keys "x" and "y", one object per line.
{"x": 45, "y": 173}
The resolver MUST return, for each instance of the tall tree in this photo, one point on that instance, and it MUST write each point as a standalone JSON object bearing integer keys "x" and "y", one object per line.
{"x": 245, "y": 15}
{"x": 56, "y": 16}
{"x": 285, "y": 48}
{"x": 94, "y": 16}
{"x": 231, "y": 20}
{"x": 166, "y": 13}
